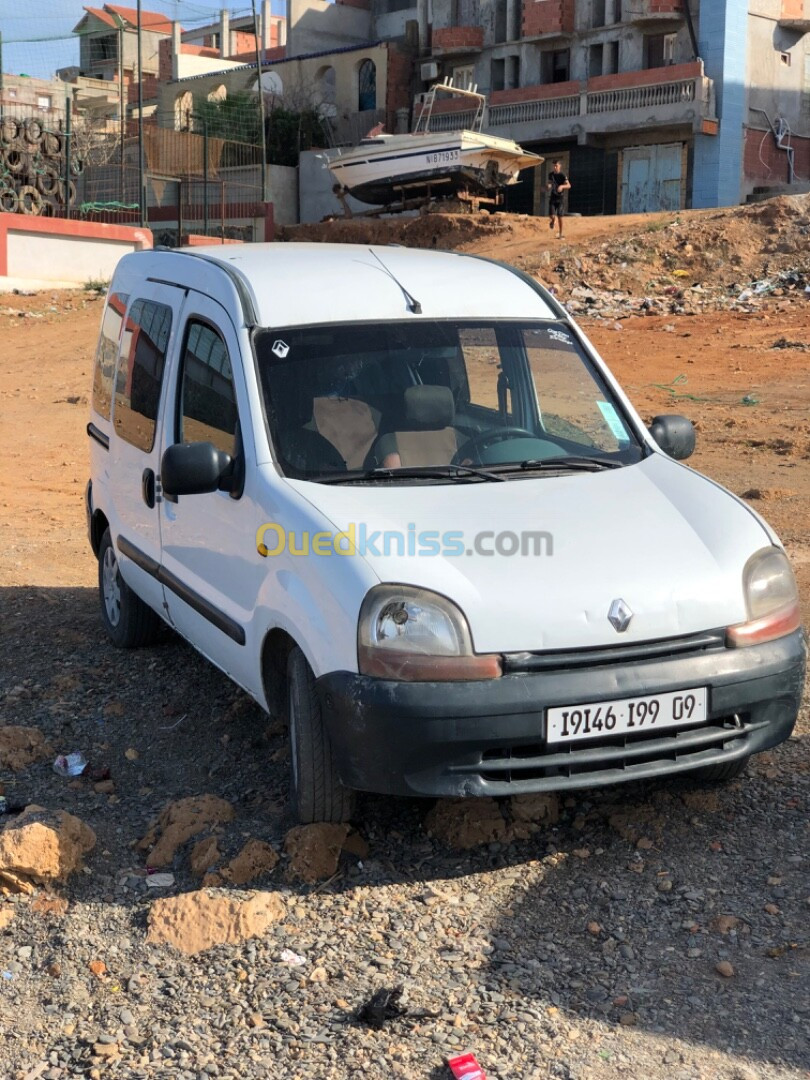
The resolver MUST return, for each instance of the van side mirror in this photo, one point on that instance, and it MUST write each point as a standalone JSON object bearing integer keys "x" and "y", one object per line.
{"x": 675, "y": 435}
{"x": 194, "y": 468}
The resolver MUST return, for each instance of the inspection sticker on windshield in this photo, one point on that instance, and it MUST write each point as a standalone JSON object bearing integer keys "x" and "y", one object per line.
{"x": 559, "y": 335}
{"x": 628, "y": 716}
{"x": 608, "y": 411}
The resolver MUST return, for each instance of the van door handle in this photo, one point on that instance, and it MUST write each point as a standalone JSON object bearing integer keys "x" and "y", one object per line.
{"x": 148, "y": 488}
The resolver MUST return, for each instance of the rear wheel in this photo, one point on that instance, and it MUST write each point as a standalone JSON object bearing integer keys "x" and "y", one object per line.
{"x": 317, "y": 793}
{"x": 129, "y": 622}
{"x": 718, "y": 774}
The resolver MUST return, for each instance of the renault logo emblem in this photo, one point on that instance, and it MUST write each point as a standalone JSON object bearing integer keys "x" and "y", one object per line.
{"x": 619, "y": 615}
{"x": 280, "y": 348}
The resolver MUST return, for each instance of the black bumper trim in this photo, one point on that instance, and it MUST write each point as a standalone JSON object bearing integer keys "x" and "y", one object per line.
{"x": 488, "y": 738}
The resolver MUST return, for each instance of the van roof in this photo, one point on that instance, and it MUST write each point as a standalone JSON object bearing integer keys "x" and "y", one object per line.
{"x": 292, "y": 284}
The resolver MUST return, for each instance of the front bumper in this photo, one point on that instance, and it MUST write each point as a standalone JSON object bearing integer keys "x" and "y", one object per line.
{"x": 488, "y": 738}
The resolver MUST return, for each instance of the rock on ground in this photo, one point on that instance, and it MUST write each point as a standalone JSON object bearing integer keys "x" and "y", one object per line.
{"x": 22, "y": 746}
{"x": 43, "y": 845}
{"x": 199, "y": 920}
{"x": 314, "y": 850}
{"x": 466, "y": 823}
{"x": 179, "y": 822}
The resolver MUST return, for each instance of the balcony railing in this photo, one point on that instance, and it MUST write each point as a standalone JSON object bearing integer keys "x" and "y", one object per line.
{"x": 641, "y": 97}
{"x": 521, "y": 112}
{"x": 597, "y": 98}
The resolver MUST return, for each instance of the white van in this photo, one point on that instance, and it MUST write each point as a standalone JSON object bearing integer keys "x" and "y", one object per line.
{"x": 397, "y": 494}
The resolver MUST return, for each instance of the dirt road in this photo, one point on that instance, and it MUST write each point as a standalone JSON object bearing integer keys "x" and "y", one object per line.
{"x": 588, "y": 951}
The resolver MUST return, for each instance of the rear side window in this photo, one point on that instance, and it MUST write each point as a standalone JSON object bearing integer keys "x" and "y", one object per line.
{"x": 140, "y": 372}
{"x": 106, "y": 353}
{"x": 207, "y": 396}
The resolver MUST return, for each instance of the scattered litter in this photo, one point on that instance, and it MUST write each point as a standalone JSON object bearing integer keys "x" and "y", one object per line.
{"x": 131, "y": 754}
{"x": 750, "y": 399}
{"x": 679, "y": 380}
{"x": 465, "y": 1067}
{"x": 159, "y": 881}
{"x": 680, "y": 273}
{"x": 70, "y": 764}
{"x": 783, "y": 343}
{"x": 177, "y": 723}
{"x": 382, "y": 1006}
{"x": 7, "y": 975}
{"x": 292, "y": 958}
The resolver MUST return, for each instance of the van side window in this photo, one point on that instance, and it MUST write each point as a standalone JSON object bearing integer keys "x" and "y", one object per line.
{"x": 107, "y": 352}
{"x": 140, "y": 372}
{"x": 207, "y": 396}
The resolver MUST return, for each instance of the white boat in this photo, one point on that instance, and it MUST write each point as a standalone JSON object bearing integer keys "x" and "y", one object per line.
{"x": 384, "y": 168}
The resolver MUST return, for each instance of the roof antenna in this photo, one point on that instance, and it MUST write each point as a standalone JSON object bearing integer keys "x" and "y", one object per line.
{"x": 413, "y": 304}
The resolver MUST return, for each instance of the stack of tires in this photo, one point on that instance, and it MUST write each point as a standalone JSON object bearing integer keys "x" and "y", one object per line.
{"x": 32, "y": 169}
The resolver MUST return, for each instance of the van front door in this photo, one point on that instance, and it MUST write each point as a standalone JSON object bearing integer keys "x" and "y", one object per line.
{"x": 210, "y": 572}
{"x": 150, "y": 328}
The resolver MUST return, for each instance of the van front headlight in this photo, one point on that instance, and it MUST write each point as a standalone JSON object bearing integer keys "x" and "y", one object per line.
{"x": 771, "y": 599}
{"x": 413, "y": 634}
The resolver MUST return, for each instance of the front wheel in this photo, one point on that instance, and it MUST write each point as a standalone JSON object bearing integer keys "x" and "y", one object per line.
{"x": 129, "y": 622}
{"x": 317, "y": 793}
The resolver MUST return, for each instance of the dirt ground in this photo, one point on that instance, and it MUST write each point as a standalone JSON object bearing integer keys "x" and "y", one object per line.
{"x": 567, "y": 959}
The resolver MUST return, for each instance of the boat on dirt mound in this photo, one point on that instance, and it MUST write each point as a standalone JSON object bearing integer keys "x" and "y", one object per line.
{"x": 464, "y": 162}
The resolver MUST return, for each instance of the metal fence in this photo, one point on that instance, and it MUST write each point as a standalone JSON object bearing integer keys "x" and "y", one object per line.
{"x": 69, "y": 164}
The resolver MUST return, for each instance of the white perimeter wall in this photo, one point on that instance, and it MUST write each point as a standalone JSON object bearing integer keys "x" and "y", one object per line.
{"x": 64, "y": 258}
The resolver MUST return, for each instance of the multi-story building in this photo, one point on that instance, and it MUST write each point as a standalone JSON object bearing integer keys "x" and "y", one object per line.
{"x": 651, "y": 104}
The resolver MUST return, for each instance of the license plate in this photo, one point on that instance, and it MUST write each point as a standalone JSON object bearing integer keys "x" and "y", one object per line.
{"x": 627, "y": 716}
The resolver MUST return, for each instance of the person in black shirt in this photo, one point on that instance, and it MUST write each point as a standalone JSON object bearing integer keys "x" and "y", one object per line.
{"x": 557, "y": 184}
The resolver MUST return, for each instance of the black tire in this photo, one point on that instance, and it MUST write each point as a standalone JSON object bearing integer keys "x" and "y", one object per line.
{"x": 316, "y": 791}
{"x": 129, "y": 622}
{"x": 30, "y": 200}
{"x": 9, "y": 203}
{"x": 720, "y": 774}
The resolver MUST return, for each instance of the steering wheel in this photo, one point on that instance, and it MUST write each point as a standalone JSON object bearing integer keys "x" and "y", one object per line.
{"x": 484, "y": 439}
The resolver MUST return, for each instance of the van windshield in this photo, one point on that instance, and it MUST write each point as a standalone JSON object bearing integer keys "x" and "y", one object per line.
{"x": 437, "y": 400}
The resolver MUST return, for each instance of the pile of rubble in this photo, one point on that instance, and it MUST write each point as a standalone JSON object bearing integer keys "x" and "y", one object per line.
{"x": 681, "y": 299}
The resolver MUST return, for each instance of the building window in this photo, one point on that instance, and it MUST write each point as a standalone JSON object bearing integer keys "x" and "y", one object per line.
{"x": 464, "y": 77}
{"x": 555, "y": 66}
{"x": 183, "y": 106}
{"x": 465, "y": 13}
{"x": 327, "y": 86}
{"x": 785, "y": 58}
{"x": 512, "y": 79}
{"x": 597, "y": 12}
{"x": 367, "y": 86}
{"x": 611, "y": 65}
{"x": 498, "y": 74}
{"x": 595, "y": 60}
{"x": 44, "y": 101}
{"x": 659, "y": 50}
{"x": 12, "y": 93}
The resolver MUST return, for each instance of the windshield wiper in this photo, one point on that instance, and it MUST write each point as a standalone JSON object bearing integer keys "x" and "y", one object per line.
{"x": 571, "y": 461}
{"x": 428, "y": 472}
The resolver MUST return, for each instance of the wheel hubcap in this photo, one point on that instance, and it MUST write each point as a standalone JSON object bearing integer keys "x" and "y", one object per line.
{"x": 111, "y": 587}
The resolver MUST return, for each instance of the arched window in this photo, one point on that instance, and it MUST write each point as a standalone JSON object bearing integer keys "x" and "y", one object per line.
{"x": 367, "y": 86}
{"x": 327, "y": 85}
{"x": 219, "y": 94}
{"x": 183, "y": 106}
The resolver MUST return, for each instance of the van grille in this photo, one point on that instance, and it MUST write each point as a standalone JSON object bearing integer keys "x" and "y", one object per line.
{"x": 622, "y": 757}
